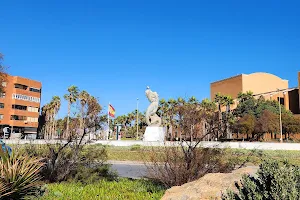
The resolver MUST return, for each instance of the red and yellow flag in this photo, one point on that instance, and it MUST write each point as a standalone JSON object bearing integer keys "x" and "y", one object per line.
{"x": 111, "y": 111}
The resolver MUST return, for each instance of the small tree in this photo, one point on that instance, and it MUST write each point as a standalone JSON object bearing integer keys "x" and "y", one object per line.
{"x": 246, "y": 124}
{"x": 268, "y": 122}
{"x": 290, "y": 125}
{"x": 185, "y": 161}
{"x": 66, "y": 156}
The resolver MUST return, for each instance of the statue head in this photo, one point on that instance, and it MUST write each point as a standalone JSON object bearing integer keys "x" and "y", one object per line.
{"x": 152, "y": 96}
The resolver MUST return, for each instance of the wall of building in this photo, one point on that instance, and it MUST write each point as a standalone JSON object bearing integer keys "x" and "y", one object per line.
{"x": 11, "y": 99}
{"x": 231, "y": 86}
{"x": 299, "y": 88}
{"x": 263, "y": 82}
{"x": 294, "y": 101}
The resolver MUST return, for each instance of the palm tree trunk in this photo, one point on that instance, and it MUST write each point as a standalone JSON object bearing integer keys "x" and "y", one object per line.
{"x": 68, "y": 119}
{"x": 48, "y": 126}
{"x": 219, "y": 124}
{"x": 81, "y": 122}
{"x": 53, "y": 125}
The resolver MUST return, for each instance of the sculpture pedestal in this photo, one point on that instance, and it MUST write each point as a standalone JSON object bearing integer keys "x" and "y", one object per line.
{"x": 154, "y": 134}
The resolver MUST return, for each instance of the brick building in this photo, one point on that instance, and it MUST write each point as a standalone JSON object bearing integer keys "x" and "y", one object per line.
{"x": 261, "y": 84}
{"x": 20, "y": 105}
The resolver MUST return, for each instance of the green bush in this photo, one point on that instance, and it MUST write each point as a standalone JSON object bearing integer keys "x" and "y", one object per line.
{"x": 89, "y": 175}
{"x": 274, "y": 181}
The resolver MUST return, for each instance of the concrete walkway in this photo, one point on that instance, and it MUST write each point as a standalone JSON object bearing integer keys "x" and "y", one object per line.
{"x": 129, "y": 169}
{"x": 137, "y": 169}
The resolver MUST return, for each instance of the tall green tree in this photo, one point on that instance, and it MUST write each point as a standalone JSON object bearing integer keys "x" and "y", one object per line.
{"x": 210, "y": 118}
{"x": 225, "y": 118}
{"x": 71, "y": 97}
{"x": 46, "y": 112}
{"x": 55, "y": 106}
{"x": 172, "y": 106}
{"x": 162, "y": 111}
{"x": 228, "y": 118}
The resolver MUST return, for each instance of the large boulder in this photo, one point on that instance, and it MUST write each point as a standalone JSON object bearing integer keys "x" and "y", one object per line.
{"x": 210, "y": 186}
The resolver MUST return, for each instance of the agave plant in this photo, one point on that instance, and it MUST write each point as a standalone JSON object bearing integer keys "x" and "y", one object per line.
{"x": 19, "y": 175}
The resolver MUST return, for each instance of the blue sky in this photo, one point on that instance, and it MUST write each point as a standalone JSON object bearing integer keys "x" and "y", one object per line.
{"x": 114, "y": 49}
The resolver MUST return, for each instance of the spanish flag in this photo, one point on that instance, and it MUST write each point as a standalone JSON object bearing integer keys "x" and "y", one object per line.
{"x": 111, "y": 111}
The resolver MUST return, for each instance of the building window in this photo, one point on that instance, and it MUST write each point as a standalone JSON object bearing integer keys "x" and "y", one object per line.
{"x": 35, "y": 90}
{"x": 2, "y": 95}
{"x": 281, "y": 100}
{"x": 4, "y": 84}
{"x": 18, "y": 117}
{"x": 1, "y": 105}
{"x": 19, "y": 107}
{"x": 20, "y": 86}
{"x": 33, "y": 109}
{"x": 32, "y": 119}
{"x": 1, "y": 116}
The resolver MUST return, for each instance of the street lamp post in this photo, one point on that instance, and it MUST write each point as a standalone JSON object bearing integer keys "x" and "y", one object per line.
{"x": 137, "y": 118}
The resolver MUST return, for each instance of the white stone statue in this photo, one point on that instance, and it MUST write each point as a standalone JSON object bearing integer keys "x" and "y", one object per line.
{"x": 152, "y": 118}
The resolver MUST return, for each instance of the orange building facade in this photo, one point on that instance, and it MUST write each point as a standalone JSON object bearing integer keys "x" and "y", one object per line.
{"x": 20, "y": 105}
{"x": 261, "y": 84}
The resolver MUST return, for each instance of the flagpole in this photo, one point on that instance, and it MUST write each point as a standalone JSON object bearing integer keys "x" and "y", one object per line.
{"x": 108, "y": 120}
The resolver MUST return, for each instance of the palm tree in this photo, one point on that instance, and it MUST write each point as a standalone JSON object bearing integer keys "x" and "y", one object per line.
{"x": 245, "y": 96}
{"x": 71, "y": 97}
{"x": 193, "y": 100}
{"x": 219, "y": 100}
{"x": 163, "y": 110}
{"x": 51, "y": 118}
{"x": 172, "y": 104}
{"x": 209, "y": 108}
{"x": 228, "y": 101}
{"x": 181, "y": 100}
{"x": 83, "y": 97}
{"x": 55, "y": 106}
{"x": 131, "y": 117}
{"x": 223, "y": 100}
{"x": 121, "y": 119}
{"x": 45, "y": 111}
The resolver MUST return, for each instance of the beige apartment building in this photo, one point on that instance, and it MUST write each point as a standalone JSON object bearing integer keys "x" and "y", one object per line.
{"x": 261, "y": 84}
{"x": 20, "y": 105}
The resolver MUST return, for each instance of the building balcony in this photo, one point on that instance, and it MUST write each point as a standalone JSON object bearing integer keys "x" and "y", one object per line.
{"x": 26, "y": 92}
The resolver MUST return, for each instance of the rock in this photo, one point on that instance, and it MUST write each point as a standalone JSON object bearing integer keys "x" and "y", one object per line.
{"x": 211, "y": 186}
